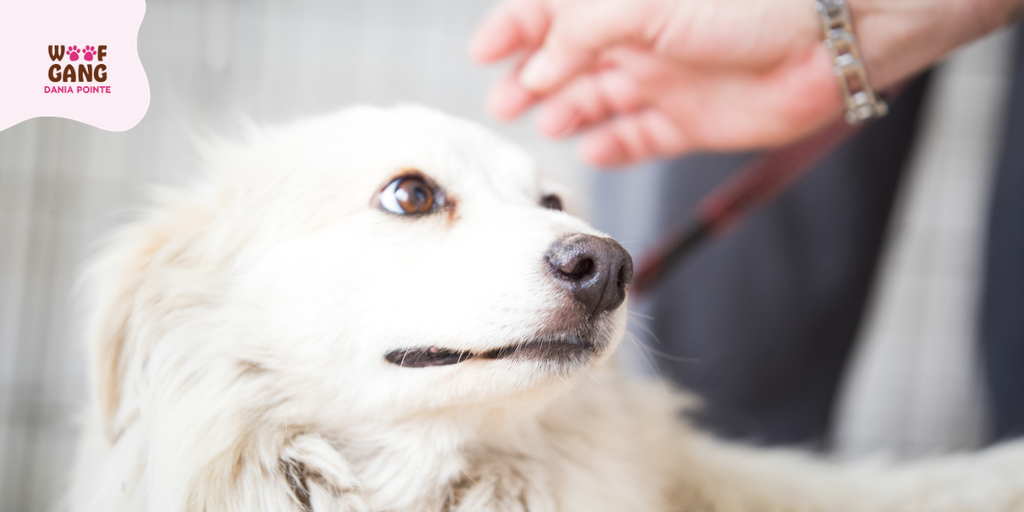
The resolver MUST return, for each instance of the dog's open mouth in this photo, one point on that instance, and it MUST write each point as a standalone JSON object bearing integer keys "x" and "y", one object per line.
{"x": 562, "y": 350}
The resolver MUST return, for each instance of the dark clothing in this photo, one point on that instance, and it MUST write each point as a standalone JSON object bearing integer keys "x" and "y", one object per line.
{"x": 1002, "y": 315}
{"x": 766, "y": 315}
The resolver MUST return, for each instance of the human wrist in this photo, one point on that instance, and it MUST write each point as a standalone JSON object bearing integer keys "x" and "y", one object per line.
{"x": 899, "y": 38}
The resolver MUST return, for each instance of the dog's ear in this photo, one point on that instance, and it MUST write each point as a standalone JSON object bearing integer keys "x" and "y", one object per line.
{"x": 132, "y": 256}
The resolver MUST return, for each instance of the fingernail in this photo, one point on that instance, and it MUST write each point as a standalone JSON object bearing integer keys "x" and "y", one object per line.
{"x": 539, "y": 72}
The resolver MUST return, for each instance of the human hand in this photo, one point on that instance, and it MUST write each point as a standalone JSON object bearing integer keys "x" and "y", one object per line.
{"x": 651, "y": 78}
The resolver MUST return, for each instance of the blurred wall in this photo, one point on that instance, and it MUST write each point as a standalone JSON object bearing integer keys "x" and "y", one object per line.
{"x": 212, "y": 65}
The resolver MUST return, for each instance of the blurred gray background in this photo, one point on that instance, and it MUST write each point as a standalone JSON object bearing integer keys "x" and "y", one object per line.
{"x": 215, "y": 65}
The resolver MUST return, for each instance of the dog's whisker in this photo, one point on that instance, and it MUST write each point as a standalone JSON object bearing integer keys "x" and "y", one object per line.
{"x": 644, "y": 352}
{"x": 664, "y": 355}
{"x": 633, "y": 321}
{"x": 637, "y": 314}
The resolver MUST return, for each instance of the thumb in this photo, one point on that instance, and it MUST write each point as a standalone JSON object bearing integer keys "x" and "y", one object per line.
{"x": 581, "y": 30}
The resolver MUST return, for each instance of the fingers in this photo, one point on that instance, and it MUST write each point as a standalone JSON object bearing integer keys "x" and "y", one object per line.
{"x": 579, "y": 32}
{"x": 615, "y": 104}
{"x": 573, "y": 35}
{"x": 634, "y": 137}
{"x": 512, "y": 26}
{"x": 589, "y": 100}
{"x": 597, "y": 69}
{"x": 509, "y": 99}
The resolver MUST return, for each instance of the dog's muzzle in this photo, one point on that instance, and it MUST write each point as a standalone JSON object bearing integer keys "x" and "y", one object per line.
{"x": 594, "y": 270}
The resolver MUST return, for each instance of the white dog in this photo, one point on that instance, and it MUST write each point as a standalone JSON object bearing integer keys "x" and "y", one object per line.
{"x": 385, "y": 310}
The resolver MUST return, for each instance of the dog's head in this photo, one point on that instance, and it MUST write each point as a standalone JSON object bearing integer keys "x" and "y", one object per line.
{"x": 364, "y": 264}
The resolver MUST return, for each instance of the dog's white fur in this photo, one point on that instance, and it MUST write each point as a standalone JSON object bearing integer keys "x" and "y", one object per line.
{"x": 239, "y": 331}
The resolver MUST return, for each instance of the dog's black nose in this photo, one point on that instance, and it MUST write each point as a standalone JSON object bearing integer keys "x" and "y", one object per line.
{"x": 596, "y": 270}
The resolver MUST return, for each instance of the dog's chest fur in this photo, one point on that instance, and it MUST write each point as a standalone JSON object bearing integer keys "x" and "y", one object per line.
{"x": 592, "y": 450}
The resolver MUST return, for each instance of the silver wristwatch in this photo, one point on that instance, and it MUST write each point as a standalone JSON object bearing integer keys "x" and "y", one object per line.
{"x": 861, "y": 101}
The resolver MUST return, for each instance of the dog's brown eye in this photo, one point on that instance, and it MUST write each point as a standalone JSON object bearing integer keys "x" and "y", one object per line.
{"x": 551, "y": 202}
{"x": 407, "y": 195}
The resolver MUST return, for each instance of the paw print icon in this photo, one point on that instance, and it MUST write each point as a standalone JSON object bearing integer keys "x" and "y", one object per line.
{"x": 90, "y": 51}
{"x": 73, "y": 52}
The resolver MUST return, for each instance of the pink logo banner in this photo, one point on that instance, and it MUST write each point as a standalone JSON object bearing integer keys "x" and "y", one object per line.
{"x": 72, "y": 59}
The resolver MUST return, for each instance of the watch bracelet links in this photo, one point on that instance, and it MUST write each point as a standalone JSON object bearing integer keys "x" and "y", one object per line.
{"x": 861, "y": 101}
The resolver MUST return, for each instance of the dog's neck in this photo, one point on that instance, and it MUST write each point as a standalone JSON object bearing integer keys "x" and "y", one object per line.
{"x": 437, "y": 454}
{"x": 434, "y": 458}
